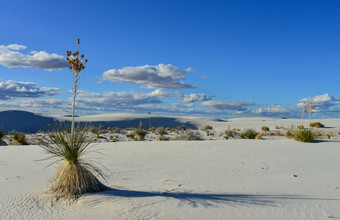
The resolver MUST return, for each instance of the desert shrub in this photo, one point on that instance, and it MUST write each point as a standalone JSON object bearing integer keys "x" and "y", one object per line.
{"x": 96, "y": 131}
{"x": 249, "y": 134}
{"x": 131, "y": 136}
{"x": 189, "y": 135}
{"x": 140, "y": 134}
{"x": 264, "y": 128}
{"x": 208, "y": 127}
{"x": 163, "y": 138}
{"x": 330, "y": 134}
{"x": 300, "y": 127}
{"x": 316, "y": 125}
{"x": 152, "y": 129}
{"x": 74, "y": 176}
{"x": 19, "y": 138}
{"x": 318, "y": 133}
{"x": 161, "y": 131}
{"x": 304, "y": 135}
{"x": 230, "y": 133}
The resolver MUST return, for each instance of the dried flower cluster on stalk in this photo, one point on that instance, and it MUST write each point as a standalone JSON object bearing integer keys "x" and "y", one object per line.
{"x": 76, "y": 63}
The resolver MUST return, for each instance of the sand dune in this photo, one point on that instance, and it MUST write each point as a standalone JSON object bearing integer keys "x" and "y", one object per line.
{"x": 217, "y": 179}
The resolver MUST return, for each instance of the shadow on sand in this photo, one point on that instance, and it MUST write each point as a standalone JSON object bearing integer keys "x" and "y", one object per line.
{"x": 207, "y": 200}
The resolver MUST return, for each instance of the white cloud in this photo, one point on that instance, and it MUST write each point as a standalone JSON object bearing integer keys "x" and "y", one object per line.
{"x": 235, "y": 105}
{"x": 11, "y": 57}
{"x": 122, "y": 100}
{"x": 12, "y": 89}
{"x": 16, "y": 47}
{"x": 195, "y": 97}
{"x": 325, "y": 99}
{"x": 160, "y": 76}
{"x": 325, "y": 105}
{"x": 274, "y": 109}
{"x": 47, "y": 106}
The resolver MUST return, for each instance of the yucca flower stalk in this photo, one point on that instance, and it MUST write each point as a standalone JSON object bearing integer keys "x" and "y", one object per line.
{"x": 303, "y": 110}
{"x": 311, "y": 106}
{"x": 76, "y": 65}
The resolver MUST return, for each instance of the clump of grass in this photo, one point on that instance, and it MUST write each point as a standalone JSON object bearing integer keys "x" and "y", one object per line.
{"x": 249, "y": 134}
{"x": 300, "y": 127}
{"x": 259, "y": 136}
{"x": 140, "y": 134}
{"x": 330, "y": 134}
{"x": 19, "y": 138}
{"x": 161, "y": 131}
{"x": 208, "y": 127}
{"x": 230, "y": 133}
{"x": 290, "y": 133}
{"x": 189, "y": 135}
{"x": 304, "y": 135}
{"x": 75, "y": 175}
{"x": 316, "y": 125}
{"x": 264, "y": 128}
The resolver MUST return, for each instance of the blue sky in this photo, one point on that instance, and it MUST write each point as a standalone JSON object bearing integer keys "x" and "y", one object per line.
{"x": 222, "y": 58}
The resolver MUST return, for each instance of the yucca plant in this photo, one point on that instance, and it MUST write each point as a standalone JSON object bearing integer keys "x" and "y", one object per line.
{"x": 304, "y": 135}
{"x": 141, "y": 133}
{"x": 76, "y": 175}
{"x": 249, "y": 134}
{"x": 19, "y": 138}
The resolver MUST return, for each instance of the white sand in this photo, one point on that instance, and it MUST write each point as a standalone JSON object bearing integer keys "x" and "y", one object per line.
{"x": 220, "y": 179}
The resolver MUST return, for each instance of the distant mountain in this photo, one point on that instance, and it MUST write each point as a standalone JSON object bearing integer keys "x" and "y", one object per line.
{"x": 22, "y": 121}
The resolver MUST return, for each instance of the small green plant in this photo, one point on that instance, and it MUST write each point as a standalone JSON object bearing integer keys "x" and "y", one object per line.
{"x": 316, "y": 125}
{"x": 141, "y": 133}
{"x": 300, "y": 127}
{"x": 96, "y": 131}
{"x": 249, "y": 134}
{"x": 19, "y": 138}
{"x": 208, "y": 127}
{"x": 330, "y": 134}
{"x": 161, "y": 131}
{"x": 290, "y": 133}
{"x": 230, "y": 133}
{"x": 304, "y": 135}
{"x": 264, "y": 128}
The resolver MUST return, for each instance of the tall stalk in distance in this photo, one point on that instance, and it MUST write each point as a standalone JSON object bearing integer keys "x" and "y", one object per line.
{"x": 311, "y": 106}
{"x": 303, "y": 110}
{"x": 76, "y": 65}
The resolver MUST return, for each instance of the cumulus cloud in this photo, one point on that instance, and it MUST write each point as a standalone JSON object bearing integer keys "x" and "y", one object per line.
{"x": 122, "y": 100}
{"x": 11, "y": 56}
{"x": 274, "y": 109}
{"x": 12, "y": 89}
{"x": 321, "y": 100}
{"x": 47, "y": 106}
{"x": 160, "y": 76}
{"x": 235, "y": 105}
{"x": 325, "y": 105}
{"x": 195, "y": 97}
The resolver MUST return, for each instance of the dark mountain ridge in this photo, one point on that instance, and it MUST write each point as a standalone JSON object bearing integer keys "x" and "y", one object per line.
{"x": 22, "y": 121}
